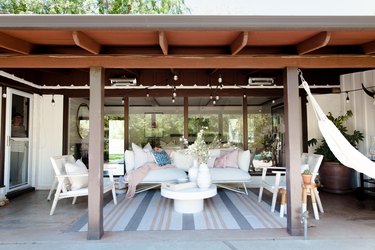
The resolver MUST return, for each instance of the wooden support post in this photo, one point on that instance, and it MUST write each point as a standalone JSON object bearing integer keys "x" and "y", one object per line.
{"x": 244, "y": 118}
{"x": 96, "y": 157}
{"x": 186, "y": 117}
{"x": 293, "y": 152}
{"x": 126, "y": 123}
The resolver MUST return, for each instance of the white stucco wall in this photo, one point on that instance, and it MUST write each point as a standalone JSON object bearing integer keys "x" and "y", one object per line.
{"x": 328, "y": 103}
{"x": 360, "y": 104}
{"x": 48, "y": 127}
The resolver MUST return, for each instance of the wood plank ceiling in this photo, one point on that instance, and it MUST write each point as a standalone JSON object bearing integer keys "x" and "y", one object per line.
{"x": 60, "y": 49}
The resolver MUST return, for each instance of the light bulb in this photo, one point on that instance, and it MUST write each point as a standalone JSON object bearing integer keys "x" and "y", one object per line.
{"x": 174, "y": 94}
{"x": 122, "y": 101}
{"x": 4, "y": 95}
{"x": 220, "y": 80}
{"x": 53, "y": 100}
{"x": 217, "y": 97}
{"x": 211, "y": 97}
{"x": 173, "y": 100}
{"x": 244, "y": 96}
{"x": 214, "y": 102}
{"x": 148, "y": 95}
{"x": 175, "y": 77}
{"x": 273, "y": 101}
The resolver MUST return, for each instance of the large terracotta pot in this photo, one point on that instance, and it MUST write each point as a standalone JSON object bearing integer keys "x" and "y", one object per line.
{"x": 336, "y": 178}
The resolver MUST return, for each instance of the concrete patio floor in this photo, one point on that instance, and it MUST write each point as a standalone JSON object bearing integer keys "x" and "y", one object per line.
{"x": 26, "y": 223}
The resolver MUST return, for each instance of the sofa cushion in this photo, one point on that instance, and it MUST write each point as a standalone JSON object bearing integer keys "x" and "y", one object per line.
{"x": 181, "y": 160}
{"x": 161, "y": 158}
{"x": 164, "y": 174}
{"x": 244, "y": 160}
{"x": 77, "y": 168}
{"x": 142, "y": 155}
{"x": 228, "y": 160}
{"x": 228, "y": 175}
{"x": 129, "y": 160}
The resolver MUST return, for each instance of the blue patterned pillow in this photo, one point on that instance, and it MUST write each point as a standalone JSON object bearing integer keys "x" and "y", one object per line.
{"x": 161, "y": 158}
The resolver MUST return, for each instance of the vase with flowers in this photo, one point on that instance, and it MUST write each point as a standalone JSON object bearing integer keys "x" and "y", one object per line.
{"x": 199, "y": 149}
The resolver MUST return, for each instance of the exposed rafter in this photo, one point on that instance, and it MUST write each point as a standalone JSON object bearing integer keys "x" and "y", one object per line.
{"x": 313, "y": 43}
{"x": 239, "y": 43}
{"x": 15, "y": 44}
{"x": 369, "y": 48}
{"x": 163, "y": 42}
{"x": 86, "y": 42}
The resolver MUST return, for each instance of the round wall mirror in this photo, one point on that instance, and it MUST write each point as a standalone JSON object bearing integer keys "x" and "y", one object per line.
{"x": 83, "y": 120}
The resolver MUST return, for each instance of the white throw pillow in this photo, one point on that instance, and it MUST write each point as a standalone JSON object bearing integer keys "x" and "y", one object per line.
{"x": 142, "y": 155}
{"x": 181, "y": 160}
{"x": 244, "y": 160}
{"x": 129, "y": 160}
{"x": 76, "y": 169}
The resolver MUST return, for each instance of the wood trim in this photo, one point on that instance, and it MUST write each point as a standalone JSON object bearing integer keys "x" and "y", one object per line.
{"x": 163, "y": 42}
{"x": 86, "y": 43}
{"x": 293, "y": 152}
{"x": 96, "y": 158}
{"x": 189, "y": 62}
{"x": 239, "y": 43}
{"x": 313, "y": 43}
{"x": 369, "y": 48}
{"x": 2, "y": 137}
{"x": 15, "y": 44}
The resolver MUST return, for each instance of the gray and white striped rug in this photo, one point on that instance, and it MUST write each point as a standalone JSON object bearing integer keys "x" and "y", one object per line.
{"x": 150, "y": 211}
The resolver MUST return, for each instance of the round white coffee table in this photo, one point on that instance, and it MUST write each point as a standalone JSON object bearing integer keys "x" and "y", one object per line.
{"x": 188, "y": 201}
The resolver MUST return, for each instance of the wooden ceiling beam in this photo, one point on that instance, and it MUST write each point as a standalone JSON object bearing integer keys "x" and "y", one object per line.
{"x": 369, "y": 48}
{"x": 188, "y": 62}
{"x": 163, "y": 42}
{"x": 313, "y": 43}
{"x": 14, "y": 44}
{"x": 86, "y": 43}
{"x": 239, "y": 43}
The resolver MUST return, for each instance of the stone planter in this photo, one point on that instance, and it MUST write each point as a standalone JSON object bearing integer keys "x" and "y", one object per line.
{"x": 336, "y": 178}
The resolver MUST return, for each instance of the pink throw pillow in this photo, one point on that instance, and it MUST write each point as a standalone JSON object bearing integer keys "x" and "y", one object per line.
{"x": 229, "y": 160}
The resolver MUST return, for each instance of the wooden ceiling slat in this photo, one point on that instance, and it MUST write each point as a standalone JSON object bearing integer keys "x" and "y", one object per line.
{"x": 15, "y": 44}
{"x": 163, "y": 42}
{"x": 86, "y": 42}
{"x": 369, "y": 48}
{"x": 316, "y": 42}
{"x": 239, "y": 43}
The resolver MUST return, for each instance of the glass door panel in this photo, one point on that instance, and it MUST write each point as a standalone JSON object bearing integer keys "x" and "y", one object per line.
{"x": 17, "y": 169}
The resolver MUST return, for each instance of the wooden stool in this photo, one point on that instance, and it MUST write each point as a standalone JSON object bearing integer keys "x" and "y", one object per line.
{"x": 309, "y": 190}
{"x": 282, "y": 191}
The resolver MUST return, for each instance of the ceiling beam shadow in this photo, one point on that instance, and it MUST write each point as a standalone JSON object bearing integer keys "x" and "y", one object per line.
{"x": 86, "y": 43}
{"x": 239, "y": 43}
{"x": 163, "y": 42}
{"x": 313, "y": 43}
{"x": 15, "y": 44}
{"x": 369, "y": 48}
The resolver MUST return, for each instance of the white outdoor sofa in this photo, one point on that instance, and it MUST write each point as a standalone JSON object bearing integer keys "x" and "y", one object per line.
{"x": 222, "y": 177}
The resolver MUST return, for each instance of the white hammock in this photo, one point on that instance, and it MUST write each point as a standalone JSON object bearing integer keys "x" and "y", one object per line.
{"x": 340, "y": 147}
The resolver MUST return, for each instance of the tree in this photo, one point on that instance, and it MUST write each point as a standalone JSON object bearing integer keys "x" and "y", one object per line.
{"x": 93, "y": 7}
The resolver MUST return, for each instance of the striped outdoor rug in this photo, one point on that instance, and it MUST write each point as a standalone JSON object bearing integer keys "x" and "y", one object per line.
{"x": 150, "y": 211}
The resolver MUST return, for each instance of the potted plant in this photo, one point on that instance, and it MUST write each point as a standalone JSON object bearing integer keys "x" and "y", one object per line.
{"x": 306, "y": 176}
{"x": 335, "y": 177}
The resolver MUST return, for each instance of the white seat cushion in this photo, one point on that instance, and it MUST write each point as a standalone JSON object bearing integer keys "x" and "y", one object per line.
{"x": 165, "y": 174}
{"x": 229, "y": 175}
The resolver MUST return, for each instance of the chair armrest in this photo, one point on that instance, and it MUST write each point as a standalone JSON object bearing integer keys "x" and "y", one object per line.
{"x": 264, "y": 170}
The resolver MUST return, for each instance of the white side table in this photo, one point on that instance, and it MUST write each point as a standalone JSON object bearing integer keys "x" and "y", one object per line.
{"x": 190, "y": 200}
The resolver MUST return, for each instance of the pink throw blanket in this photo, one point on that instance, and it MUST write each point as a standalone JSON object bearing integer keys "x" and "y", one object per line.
{"x": 135, "y": 176}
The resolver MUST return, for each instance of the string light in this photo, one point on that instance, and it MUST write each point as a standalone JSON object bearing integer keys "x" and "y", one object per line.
{"x": 217, "y": 97}
{"x": 214, "y": 102}
{"x": 175, "y": 77}
{"x": 273, "y": 101}
{"x": 122, "y": 100}
{"x": 244, "y": 95}
{"x": 53, "y": 100}
{"x": 347, "y": 97}
{"x": 173, "y": 100}
{"x": 220, "y": 80}
{"x": 148, "y": 94}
